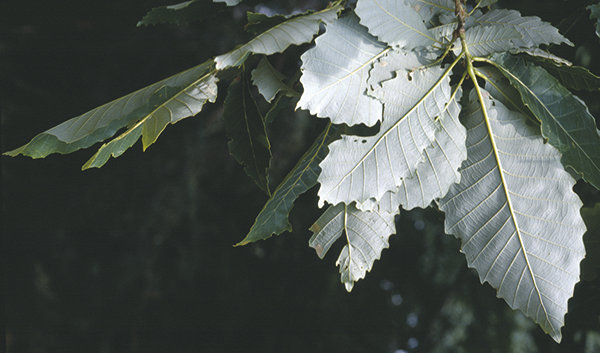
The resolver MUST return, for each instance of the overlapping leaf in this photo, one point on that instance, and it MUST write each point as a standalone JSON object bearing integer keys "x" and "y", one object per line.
{"x": 245, "y": 127}
{"x": 359, "y": 168}
{"x": 182, "y": 13}
{"x": 269, "y": 81}
{"x": 335, "y": 72}
{"x": 428, "y": 9}
{"x": 538, "y": 54}
{"x": 103, "y": 122}
{"x": 566, "y": 121}
{"x": 295, "y": 31}
{"x": 595, "y": 15}
{"x": 500, "y": 88}
{"x": 517, "y": 215}
{"x": 273, "y": 218}
{"x": 534, "y": 31}
{"x": 394, "y": 22}
{"x": 367, "y": 234}
{"x": 438, "y": 171}
{"x": 573, "y": 77}
{"x": 483, "y": 41}
{"x": 166, "y": 106}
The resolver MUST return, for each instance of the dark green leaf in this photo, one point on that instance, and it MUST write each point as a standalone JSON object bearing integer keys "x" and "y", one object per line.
{"x": 595, "y": 15}
{"x": 183, "y": 13}
{"x": 566, "y": 121}
{"x": 590, "y": 266}
{"x": 281, "y": 102}
{"x": 273, "y": 219}
{"x": 258, "y": 22}
{"x": 573, "y": 77}
{"x": 246, "y": 128}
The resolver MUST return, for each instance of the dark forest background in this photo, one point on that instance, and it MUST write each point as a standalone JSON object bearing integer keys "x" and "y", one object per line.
{"x": 137, "y": 256}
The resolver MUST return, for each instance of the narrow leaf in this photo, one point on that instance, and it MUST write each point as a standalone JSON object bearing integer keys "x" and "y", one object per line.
{"x": 182, "y": 13}
{"x": 538, "y": 54}
{"x": 295, "y": 31}
{"x": 438, "y": 171}
{"x": 359, "y": 168}
{"x": 367, "y": 234}
{"x": 566, "y": 121}
{"x": 335, "y": 71}
{"x": 394, "y": 22}
{"x": 103, "y": 122}
{"x": 573, "y": 77}
{"x": 534, "y": 31}
{"x": 483, "y": 41}
{"x": 273, "y": 218}
{"x": 246, "y": 128}
{"x": 595, "y": 15}
{"x": 269, "y": 81}
{"x": 517, "y": 215}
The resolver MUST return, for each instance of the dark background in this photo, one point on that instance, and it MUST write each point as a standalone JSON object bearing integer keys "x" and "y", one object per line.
{"x": 138, "y": 256}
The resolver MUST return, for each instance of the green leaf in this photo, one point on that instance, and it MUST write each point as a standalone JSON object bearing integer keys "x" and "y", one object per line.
{"x": 259, "y": 22}
{"x": 483, "y": 41}
{"x": 335, "y": 71}
{"x": 367, "y": 234}
{"x": 295, "y": 31}
{"x": 437, "y": 172}
{"x": 273, "y": 218}
{"x": 540, "y": 55}
{"x": 573, "y": 77}
{"x": 516, "y": 214}
{"x": 103, "y": 122}
{"x": 245, "y": 127}
{"x": 566, "y": 121}
{"x": 359, "y": 168}
{"x": 280, "y": 103}
{"x": 395, "y": 23}
{"x": 500, "y": 88}
{"x": 182, "y": 13}
{"x": 534, "y": 31}
{"x": 590, "y": 266}
{"x": 269, "y": 81}
{"x": 595, "y": 15}
{"x": 229, "y": 2}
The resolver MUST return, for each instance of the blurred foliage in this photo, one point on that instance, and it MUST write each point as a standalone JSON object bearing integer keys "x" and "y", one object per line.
{"x": 138, "y": 256}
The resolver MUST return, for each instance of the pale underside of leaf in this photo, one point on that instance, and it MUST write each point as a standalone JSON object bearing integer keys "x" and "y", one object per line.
{"x": 295, "y": 31}
{"x": 335, "y": 72}
{"x": 483, "y": 41}
{"x": 595, "y": 15}
{"x": 359, "y": 168}
{"x": 367, "y": 234}
{"x": 539, "y": 53}
{"x": 516, "y": 214}
{"x": 437, "y": 172}
{"x": 103, "y": 122}
{"x": 534, "y": 31}
{"x": 273, "y": 218}
{"x": 269, "y": 81}
{"x": 229, "y": 2}
{"x": 395, "y": 23}
{"x": 566, "y": 121}
{"x": 428, "y": 9}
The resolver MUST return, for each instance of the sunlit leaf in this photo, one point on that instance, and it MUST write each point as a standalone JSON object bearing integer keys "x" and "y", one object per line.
{"x": 335, "y": 71}
{"x": 367, "y": 234}
{"x": 534, "y": 31}
{"x": 431, "y": 8}
{"x": 182, "y": 13}
{"x": 394, "y": 22}
{"x": 566, "y": 121}
{"x": 295, "y": 31}
{"x": 269, "y": 81}
{"x": 359, "y": 168}
{"x": 245, "y": 127}
{"x": 517, "y": 215}
{"x": 273, "y": 218}
{"x": 483, "y": 41}
{"x": 103, "y": 122}
{"x": 437, "y": 172}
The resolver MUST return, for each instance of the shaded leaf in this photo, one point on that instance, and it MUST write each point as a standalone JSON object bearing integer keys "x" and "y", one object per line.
{"x": 573, "y": 77}
{"x": 273, "y": 218}
{"x": 438, "y": 171}
{"x": 259, "y": 22}
{"x": 367, "y": 234}
{"x": 229, "y": 2}
{"x": 295, "y": 31}
{"x": 182, "y": 13}
{"x": 394, "y": 22}
{"x": 590, "y": 266}
{"x": 245, "y": 127}
{"x": 269, "y": 81}
{"x": 500, "y": 88}
{"x": 103, "y": 122}
{"x": 280, "y": 103}
{"x": 359, "y": 168}
{"x": 566, "y": 121}
{"x": 595, "y": 15}
{"x": 483, "y": 41}
{"x": 534, "y": 31}
{"x": 517, "y": 215}
{"x": 538, "y": 54}
{"x": 335, "y": 71}
{"x": 166, "y": 106}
